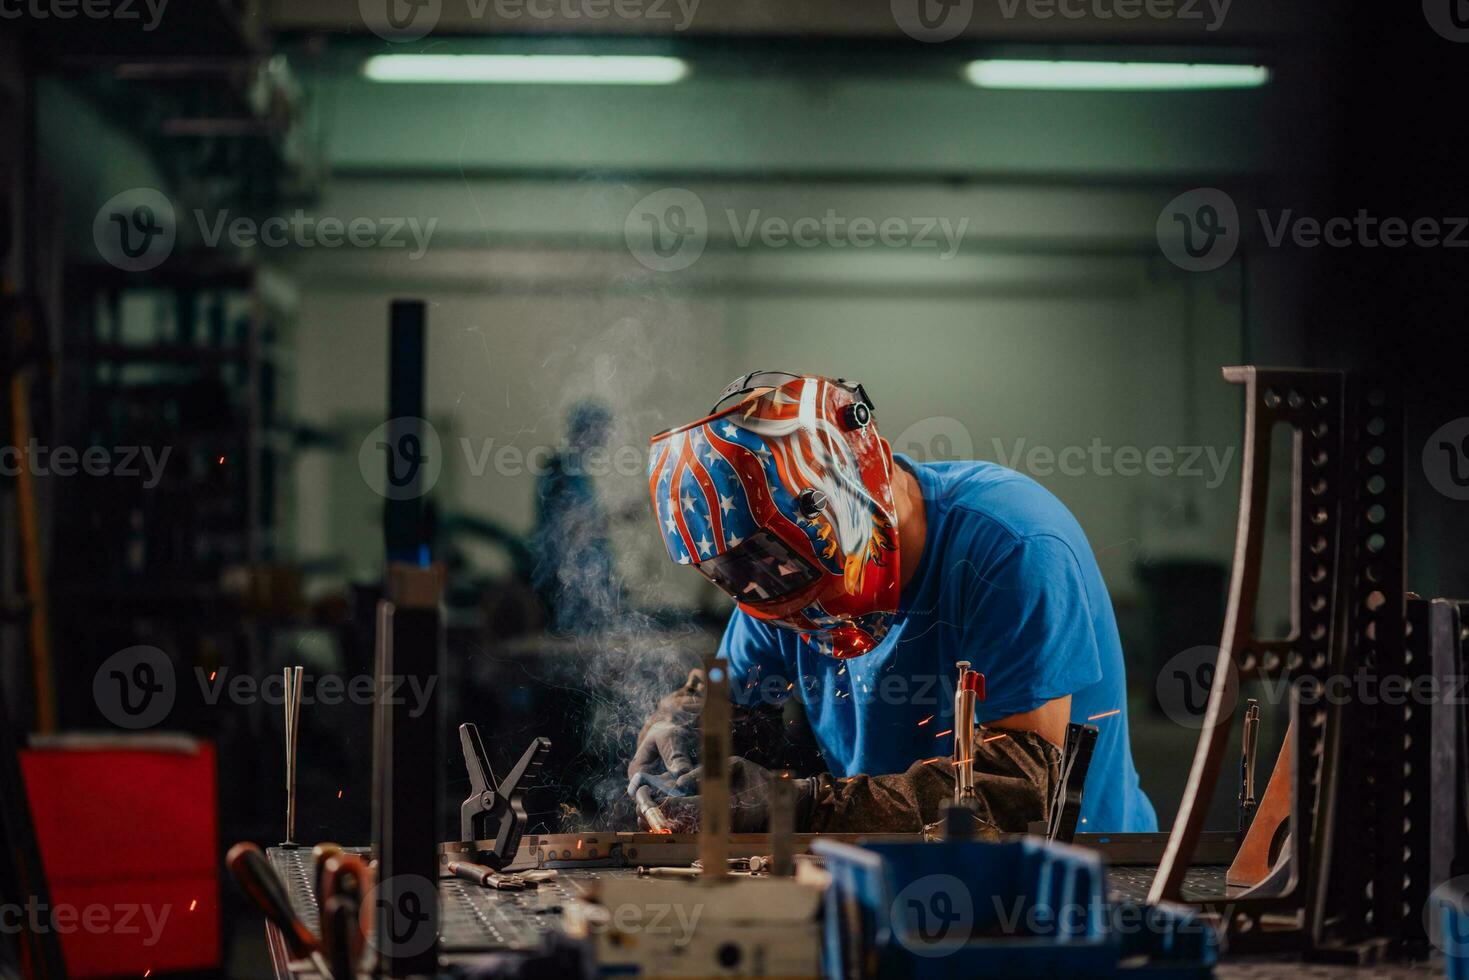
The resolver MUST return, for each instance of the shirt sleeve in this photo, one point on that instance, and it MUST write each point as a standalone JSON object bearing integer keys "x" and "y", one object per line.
{"x": 1029, "y": 628}
{"x": 757, "y": 671}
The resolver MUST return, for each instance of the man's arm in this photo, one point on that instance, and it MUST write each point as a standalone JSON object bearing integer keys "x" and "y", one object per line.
{"x": 1048, "y": 721}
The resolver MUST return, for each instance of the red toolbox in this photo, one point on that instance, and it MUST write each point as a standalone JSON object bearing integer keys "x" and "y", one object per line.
{"x": 127, "y": 829}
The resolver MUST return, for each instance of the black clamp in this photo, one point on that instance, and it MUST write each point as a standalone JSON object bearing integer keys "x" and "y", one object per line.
{"x": 495, "y": 812}
{"x": 1076, "y": 759}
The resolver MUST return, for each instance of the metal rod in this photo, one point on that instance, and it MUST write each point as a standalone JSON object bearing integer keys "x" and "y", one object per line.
{"x": 292, "y": 699}
{"x": 714, "y": 788}
{"x": 782, "y": 827}
{"x": 1249, "y": 742}
{"x": 964, "y": 700}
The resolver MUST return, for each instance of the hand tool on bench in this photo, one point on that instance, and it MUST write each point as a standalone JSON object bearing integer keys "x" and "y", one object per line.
{"x": 1076, "y": 759}
{"x": 492, "y": 818}
{"x": 260, "y": 883}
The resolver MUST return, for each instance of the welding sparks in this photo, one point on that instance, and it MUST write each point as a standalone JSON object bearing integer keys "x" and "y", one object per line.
{"x": 193, "y": 905}
{"x": 925, "y": 721}
{"x": 212, "y": 673}
{"x": 992, "y": 738}
{"x": 946, "y": 731}
{"x": 339, "y": 794}
{"x": 1105, "y": 714}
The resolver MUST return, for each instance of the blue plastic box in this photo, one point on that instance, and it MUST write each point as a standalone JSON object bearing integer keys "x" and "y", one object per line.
{"x": 1017, "y": 909}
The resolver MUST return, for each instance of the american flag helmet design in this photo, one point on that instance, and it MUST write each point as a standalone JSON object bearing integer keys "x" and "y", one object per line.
{"x": 784, "y": 499}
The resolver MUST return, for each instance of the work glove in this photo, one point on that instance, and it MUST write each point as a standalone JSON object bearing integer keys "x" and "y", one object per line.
{"x": 1014, "y": 778}
{"x": 749, "y": 798}
{"x": 668, "y": 745}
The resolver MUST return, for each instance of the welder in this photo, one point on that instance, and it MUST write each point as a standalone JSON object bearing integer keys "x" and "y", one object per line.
{"x": 860, "y": 578}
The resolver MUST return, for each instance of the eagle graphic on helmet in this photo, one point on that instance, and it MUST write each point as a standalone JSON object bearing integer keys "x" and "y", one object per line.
{"x": 782, "y": 496}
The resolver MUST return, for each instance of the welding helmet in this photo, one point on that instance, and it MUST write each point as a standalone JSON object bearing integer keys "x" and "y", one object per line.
{"x": 783, "y": 497}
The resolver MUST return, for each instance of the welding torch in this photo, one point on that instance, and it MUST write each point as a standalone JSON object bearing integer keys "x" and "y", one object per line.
{"x": 647, "y": 807}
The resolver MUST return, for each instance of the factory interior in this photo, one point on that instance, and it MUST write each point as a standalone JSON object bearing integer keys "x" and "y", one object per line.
{"x": 1061, "y": 403}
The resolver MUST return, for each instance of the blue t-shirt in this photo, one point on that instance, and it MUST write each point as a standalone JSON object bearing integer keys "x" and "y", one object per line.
{"x": 1008, "y": 582}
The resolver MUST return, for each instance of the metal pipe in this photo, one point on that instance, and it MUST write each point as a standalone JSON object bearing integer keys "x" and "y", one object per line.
{"x": 1249, "y": 742}
{"x": 965, "y": 695}
{"x": 292, "y": 701}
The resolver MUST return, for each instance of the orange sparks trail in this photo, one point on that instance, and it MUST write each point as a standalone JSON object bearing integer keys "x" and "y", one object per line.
{"x": 925, "y": 721}
{"x": 193, "y": 905}
{"x": 991, "y": 738}
{"x": 1105, "y": 714}
{"x": 339, "y": 794}
{"x": 946, "y": 731}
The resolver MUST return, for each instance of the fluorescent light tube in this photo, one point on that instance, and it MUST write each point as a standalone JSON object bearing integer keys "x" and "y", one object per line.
{"x": 526, "y": 69}
{"x": 1112, "y": 76}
